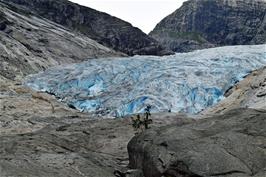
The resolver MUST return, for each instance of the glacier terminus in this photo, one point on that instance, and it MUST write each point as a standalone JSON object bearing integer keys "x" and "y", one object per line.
{"x": 184, "y": 82}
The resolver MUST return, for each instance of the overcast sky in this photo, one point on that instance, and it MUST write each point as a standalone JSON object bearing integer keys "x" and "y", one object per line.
{"x": 144, "y": 14}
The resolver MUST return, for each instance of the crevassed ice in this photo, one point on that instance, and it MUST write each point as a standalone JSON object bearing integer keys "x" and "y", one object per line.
{"x": 187, "y": 82}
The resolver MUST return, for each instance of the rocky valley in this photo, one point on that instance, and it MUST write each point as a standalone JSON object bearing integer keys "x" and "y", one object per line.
{"x": 67, "y": 70}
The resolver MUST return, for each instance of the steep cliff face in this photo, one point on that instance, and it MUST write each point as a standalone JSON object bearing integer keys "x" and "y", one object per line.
{"x": 29, "y": 44}
{"x": 105, "y": 29}
{"x": 207, "y": 23}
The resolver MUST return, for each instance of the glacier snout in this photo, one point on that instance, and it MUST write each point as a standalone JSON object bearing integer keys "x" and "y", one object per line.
{"x": 188, "y": 82}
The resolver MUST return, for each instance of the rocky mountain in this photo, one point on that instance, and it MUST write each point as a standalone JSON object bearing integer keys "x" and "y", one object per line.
{"x": 101, "y": 27}
{"x": 208, "y": 23}
{"x": 29, "y": 44}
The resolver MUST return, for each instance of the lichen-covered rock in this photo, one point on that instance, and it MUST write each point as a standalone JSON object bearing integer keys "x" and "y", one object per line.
{"x": 232, "y": 144}
{"x": 207, "y": 23}
{"x": 105, "y": 29}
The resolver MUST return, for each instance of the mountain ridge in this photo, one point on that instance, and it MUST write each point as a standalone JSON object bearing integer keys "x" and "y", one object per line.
{"x": 30, "y": 44}
{"x": 105, "y": 29}
{"x": 199, "y": 24}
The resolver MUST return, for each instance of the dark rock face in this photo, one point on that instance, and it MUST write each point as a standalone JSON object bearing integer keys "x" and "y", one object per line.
{"x": 232, "y": 144}
{"x": 29, "y": 44}
{"x": 105, "y": 29}
{"x": 208, "y": 23}
{"x": 3, "y": 22}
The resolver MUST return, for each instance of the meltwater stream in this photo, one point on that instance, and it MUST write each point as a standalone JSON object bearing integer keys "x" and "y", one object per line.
{"x": 115, "y": 87}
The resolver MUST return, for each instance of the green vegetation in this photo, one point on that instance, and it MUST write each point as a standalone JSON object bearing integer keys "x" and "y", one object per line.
{"x": 186, "y": 35}
{"x": 81, "y": 28}
{"x": 142, "y": 123}
{"x": 183, "y": 35}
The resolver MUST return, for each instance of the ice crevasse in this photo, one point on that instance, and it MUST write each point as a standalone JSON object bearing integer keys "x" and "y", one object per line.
{"x": 184, "y": 82}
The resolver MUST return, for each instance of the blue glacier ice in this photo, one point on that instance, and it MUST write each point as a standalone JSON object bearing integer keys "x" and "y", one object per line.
{"x": 186, "y": 82}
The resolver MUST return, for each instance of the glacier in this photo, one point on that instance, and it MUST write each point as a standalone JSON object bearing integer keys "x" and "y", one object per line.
{"x": 184, "y": 82}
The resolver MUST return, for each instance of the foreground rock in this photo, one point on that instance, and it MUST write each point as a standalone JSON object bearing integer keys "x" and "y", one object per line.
{"x": 232, "y": 145}
{"x": 42, "y": 137}
{"x": 103, "y": 28}
{"x": 207, "y": 23}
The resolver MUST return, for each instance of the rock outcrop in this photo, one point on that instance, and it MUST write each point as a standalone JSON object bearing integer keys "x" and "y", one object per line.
{"x": 29, "y": 44}
{"x": 40, "y": 137}
{"x": 105, "y": 29}
{"x": 208, "y": 23}
{"x": 248, "y": 93}
{"x": 229, "y": 145}
{"x": 226, "y": 140}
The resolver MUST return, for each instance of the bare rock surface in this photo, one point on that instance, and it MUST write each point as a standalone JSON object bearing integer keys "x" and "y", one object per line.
{"x": 202, "y": 24}
{"x": 29, "y": 44}
{"x": 40, "y": 136}
{"x": 248, "y": 93}
{"x": 228, "y": 140}
{"x": 232, "y": 144}
{"x": 103, "y": 28}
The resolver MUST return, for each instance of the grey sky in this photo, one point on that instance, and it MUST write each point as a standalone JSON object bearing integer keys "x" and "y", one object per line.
{"x": 144, "y": 14}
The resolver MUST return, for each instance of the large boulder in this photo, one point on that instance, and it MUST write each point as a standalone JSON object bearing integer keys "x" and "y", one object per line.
{"x": 232, "y": 144}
